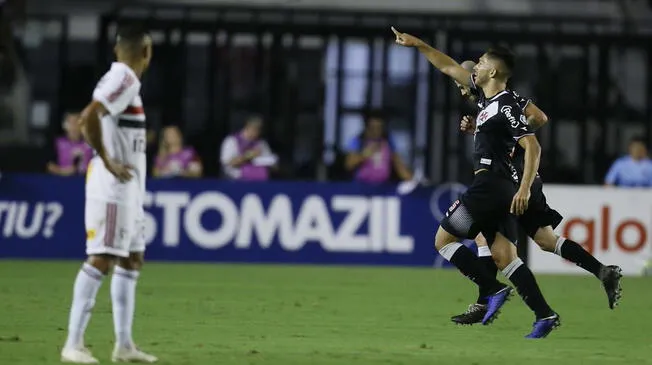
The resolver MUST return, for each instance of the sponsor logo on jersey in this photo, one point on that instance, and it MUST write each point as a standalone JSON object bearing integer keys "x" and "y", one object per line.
{"x": 520, "y": 123}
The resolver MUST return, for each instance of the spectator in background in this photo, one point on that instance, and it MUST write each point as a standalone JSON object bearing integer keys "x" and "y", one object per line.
{"x": 73, "y": 153}
{"x": 371, "y": 155}
{"x": 634, "y": 170}
{"x": 246, "y": 156}
{"x": 175, "y": 160}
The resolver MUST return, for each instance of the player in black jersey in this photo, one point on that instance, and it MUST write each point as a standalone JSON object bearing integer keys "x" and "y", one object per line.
{"x": 539, "y": 221}
{"x": 485, "y": 207}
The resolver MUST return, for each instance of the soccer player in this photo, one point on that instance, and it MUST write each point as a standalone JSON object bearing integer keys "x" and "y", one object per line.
{"x": 114, "y": 125}
{"x": 485, "y": 207}
{"x": 539, "y": 221}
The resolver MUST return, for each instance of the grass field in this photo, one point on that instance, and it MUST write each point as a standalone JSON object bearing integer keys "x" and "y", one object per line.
{"x": 238, "y": 314}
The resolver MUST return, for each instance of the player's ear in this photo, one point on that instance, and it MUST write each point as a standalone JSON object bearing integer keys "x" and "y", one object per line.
{"x": 493, "y": 73}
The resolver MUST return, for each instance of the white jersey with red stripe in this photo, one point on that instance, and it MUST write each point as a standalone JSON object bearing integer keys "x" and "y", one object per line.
{"x": 123, "y": 135}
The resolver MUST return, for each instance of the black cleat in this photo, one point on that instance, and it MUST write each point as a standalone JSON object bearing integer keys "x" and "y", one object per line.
{"x": 474, "y": 314}
{"x": 610, "y": 277}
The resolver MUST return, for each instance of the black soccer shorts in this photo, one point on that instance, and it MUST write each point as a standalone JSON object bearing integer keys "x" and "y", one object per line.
{"x": 538, "y": 213}
{"x": 483, "y": 208}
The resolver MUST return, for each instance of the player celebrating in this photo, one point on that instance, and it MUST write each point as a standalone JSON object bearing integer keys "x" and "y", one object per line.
{"x": 485, "y": 206}
{"x": 539, "y": 221}
{"x": 114, "y": 124}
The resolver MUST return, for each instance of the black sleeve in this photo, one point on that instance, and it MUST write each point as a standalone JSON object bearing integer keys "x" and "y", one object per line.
{"x": 521, "y": 101}
{"x": 517, "y": 122}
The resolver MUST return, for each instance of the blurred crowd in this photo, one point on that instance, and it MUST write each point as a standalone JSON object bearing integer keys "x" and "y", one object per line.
{"x": 370, "y": 156}
{"x": 374, "y": 155}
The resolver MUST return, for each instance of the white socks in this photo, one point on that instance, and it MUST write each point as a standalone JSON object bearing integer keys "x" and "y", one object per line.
{"x": 87, "y": 284}
{"x": 560, "y": 242}
{"x": 123, "y": 299}
{"x": 484, "y": 251}
{"x": 449, "y": 250}
{"x": 512, "y": 267}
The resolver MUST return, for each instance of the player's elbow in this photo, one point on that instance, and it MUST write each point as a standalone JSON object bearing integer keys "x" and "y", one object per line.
{"x": 448, "y": 70}
{"x": 456, "y": 72}
{"x": 541, "y": 118}
{"x": 94, "y": 108}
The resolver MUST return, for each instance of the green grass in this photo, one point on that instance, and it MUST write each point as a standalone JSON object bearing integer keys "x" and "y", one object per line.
{"x": 240, "y": 314}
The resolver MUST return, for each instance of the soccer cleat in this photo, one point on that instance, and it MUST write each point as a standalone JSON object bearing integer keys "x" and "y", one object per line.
{"x": 474, "y": 314}
{"x": 610, "y": 277}
{"x": 542, "y": 327}
{"x": 133, "y": 354}
{"x": 78, "y": 356}
{"x": 495, "y": 302}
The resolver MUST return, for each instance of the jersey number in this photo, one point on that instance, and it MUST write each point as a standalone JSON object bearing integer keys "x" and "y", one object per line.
{"x": 139, "y": 145}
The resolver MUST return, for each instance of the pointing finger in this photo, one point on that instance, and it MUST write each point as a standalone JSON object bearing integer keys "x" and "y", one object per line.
{"x": 396, "y": 31}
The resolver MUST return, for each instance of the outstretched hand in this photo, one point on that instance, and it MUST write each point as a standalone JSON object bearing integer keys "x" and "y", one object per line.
{"x": 405, "y": 39}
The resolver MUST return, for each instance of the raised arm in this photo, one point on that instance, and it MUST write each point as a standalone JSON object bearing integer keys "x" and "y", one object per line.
{"x": 440, "y": 60}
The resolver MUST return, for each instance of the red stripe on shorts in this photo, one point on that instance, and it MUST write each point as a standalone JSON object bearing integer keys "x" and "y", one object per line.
{"x": 134, "y": 110}
{"x": 109, "y": 232}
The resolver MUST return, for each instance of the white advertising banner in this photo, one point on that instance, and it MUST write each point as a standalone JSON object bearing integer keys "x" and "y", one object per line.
{"x": 613, "y": 224}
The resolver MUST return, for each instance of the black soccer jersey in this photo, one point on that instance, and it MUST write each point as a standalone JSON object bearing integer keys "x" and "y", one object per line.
{"x": 518, "y": 156}
{"x": 499, "y": 124}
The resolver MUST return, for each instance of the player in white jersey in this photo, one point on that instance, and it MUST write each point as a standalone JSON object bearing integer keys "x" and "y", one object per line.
{"x": 114, "y": 125}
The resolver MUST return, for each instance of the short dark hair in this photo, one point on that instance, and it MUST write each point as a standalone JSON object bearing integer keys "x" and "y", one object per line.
{"x": 374, "y": 114}
{"x": 131, "y": 35}
{"x": 638, "y": 139}
{"x": 254, "y": 118}
{"x": 505, "y": 55}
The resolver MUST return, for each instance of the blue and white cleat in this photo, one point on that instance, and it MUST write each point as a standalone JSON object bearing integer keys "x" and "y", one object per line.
{"x": 543, "y": 326}
{"x": 495, "y": 302}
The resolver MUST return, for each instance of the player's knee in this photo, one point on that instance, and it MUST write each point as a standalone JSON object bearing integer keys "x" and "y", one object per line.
{"x": 103, "y": 263}
{"x": 546, "y": 245}
{"x": 443, "y": 238}
{"x": 503, "y": 252}
{"x": 501, "y": 261}
{"x": 481, "y": 241}
{"x": 134, "y": 262}
{"x": 546, "y": 239}
{"x": 90, "y": 304}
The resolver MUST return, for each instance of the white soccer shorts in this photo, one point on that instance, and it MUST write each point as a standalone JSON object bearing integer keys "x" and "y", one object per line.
{"x": 113, "y": 228}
